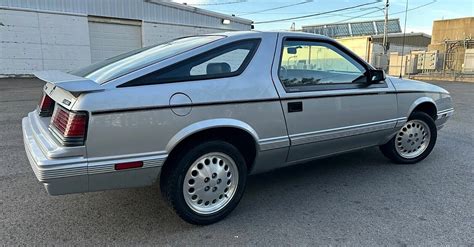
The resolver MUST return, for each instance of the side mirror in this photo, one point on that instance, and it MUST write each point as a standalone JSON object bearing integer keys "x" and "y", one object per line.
{"x": 376, "y": 75}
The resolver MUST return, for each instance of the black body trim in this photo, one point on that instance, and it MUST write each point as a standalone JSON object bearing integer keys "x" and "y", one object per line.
{"x": 249, "y": 101}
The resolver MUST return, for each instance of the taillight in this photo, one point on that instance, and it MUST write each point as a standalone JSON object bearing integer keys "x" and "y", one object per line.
{"x": 46, "y": 106}
{"x": 69, "y": 127}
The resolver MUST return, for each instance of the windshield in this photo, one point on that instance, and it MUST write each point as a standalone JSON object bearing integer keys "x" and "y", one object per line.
{"x": 114, "y": 67}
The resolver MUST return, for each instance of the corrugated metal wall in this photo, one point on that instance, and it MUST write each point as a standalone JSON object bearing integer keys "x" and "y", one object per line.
{"x": 131, "y": 9}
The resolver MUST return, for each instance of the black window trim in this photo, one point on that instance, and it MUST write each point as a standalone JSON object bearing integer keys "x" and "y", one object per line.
{"x": 328, "y": 87}
{"x": 243, "y": 66}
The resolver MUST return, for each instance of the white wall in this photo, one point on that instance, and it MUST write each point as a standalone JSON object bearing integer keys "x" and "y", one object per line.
{"x": 154, "y": 33}
{"x": 32, "y": 41}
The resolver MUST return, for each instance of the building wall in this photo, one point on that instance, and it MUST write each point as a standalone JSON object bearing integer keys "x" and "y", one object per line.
{"x": 146, "y": 10}
{"x": 55, "y": 34}
{"x": 368, "y": 50}
{"x": 32, "y": 41}
{"x": 458, "y": 31}
{"x": 453, "y": 29}
{"x": 154, "y": 33}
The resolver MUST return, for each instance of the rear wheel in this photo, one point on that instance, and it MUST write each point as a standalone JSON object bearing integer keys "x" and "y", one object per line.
{"x": 206, "y": 183}
{"x": 414, "y": 141}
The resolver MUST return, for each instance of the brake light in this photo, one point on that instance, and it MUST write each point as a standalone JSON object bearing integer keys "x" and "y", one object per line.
{"x": 46, "y": 106}
{"x": 69, "y": 127}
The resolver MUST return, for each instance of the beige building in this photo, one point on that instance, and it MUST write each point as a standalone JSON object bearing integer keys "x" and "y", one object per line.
{"x": 365, "y": 38}
{"x": 455, "y": 39}
{"x": 370, "y": 47}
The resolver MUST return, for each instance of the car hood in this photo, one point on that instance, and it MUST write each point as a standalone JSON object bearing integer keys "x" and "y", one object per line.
{"x": 402, "y": 85}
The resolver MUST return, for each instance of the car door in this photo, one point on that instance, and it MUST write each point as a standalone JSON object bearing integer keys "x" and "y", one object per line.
{"x": 328, "y": 105}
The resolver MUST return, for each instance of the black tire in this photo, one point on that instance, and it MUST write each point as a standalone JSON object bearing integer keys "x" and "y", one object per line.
{"x": 390, "y": 151}
{"x": 172, "y": 181}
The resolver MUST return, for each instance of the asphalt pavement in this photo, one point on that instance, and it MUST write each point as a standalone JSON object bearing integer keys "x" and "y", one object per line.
{"x": 358, "y": 198}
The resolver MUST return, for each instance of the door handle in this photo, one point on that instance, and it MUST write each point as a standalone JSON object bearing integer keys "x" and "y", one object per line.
{"x": 295, "y": 106}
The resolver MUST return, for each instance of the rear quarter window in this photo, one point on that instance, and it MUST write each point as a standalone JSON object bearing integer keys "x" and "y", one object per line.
{"x": 224, "y": 61}
{"x": 114, "y": 67}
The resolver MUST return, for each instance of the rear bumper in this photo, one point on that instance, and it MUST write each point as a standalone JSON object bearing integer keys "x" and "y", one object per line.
{"x": 59, "y": 176}
{"x": 66, "y": 170}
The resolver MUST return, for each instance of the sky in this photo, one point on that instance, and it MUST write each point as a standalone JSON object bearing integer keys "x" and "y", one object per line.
{"x": 420, "y": 17}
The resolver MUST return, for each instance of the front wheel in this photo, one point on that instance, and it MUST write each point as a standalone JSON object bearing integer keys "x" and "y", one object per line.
{"x": 414, "y": 141}
{"x": 206, "y": 183}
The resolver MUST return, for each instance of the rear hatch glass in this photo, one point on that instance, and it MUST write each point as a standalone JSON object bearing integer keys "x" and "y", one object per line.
{"x": 114, "y": 67}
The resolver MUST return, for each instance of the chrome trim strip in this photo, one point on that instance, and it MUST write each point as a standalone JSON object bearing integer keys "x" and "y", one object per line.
{"x": 446, "y": 110}
{"x": 400, "y": 122}
{"x": 445, "y": 113}
{"x": 274, "y": 143}
{"x": 108, "y": 165}
{"x": 323, "y": 135}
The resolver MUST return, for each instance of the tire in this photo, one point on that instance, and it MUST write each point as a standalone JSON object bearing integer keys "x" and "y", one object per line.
{"x": 206, "y": 182}
{"x": 414, "y": 142}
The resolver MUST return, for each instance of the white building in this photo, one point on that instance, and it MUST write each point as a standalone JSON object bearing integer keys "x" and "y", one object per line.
{"x": 68, "y": 34}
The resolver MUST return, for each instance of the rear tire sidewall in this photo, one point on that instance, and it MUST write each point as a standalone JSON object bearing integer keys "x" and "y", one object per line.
{"x": 390, "y": 151}
{"x": 177, "y": 176}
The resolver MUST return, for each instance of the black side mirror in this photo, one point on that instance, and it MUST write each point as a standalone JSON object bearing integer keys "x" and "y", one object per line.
{"x": 376, "y": 75}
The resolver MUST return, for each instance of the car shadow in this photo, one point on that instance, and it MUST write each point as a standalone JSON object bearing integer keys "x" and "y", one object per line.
{"x": 277, "y": 190}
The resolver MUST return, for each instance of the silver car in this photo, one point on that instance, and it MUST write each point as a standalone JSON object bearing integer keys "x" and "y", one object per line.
{"x": 201, "y": 113}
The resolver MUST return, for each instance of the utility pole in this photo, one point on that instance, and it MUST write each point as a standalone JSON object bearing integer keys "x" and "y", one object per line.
{"x": 385, "y": 24}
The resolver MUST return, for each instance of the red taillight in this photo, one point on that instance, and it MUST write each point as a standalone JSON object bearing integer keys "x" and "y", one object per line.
{"x": 128, "y": 165}
{"x": 46, "y": 106}
{"x": 70, "y": 127}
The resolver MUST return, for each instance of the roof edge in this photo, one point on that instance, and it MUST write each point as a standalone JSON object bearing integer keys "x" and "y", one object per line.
{"x": 200, "y": 11}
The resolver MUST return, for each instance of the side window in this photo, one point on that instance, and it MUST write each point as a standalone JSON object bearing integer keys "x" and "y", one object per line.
{"x": 305, "y": 65}
{"x": 225, "y": 61}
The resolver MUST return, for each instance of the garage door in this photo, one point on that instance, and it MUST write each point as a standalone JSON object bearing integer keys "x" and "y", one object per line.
{"x": 111, "y": 39}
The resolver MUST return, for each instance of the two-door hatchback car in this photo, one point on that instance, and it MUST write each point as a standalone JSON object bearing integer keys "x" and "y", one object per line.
{"x": 201, "y": 113}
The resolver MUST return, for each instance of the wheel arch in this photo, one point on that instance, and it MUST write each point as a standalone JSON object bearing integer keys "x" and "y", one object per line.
{"x": 426, "y": 105}
{"x": 233, "y": 131}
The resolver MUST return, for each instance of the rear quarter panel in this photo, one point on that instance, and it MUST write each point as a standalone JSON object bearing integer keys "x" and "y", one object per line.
{"x": 139, "y": 120}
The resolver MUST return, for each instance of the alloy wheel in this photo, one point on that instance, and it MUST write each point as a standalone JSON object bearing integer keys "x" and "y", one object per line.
{"x": 210, "y": 183}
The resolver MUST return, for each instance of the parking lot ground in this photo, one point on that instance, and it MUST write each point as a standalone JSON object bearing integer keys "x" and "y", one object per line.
{"x": 357, "y": 198}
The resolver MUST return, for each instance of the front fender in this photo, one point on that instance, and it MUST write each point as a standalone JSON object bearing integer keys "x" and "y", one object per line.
{"x": 209, "y": 124}
{"x": 419, "y": 101}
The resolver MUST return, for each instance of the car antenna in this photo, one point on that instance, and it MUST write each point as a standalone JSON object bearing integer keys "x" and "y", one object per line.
{"x": 403, "y": 40}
